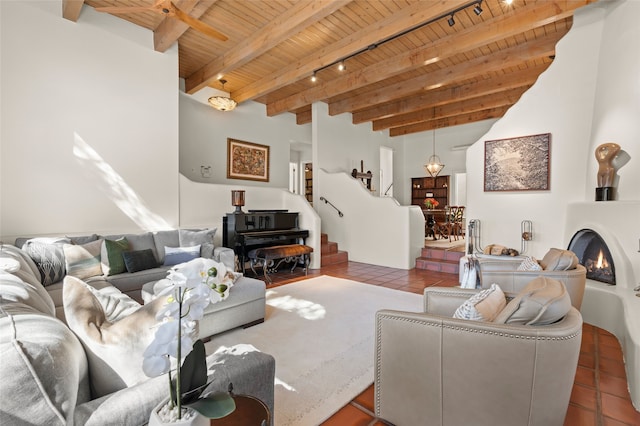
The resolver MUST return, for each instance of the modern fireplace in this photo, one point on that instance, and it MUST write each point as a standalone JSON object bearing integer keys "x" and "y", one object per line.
{"x": 594, "y": 255}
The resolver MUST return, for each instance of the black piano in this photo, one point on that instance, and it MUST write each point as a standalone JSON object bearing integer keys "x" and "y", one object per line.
{"x": 244, "y": 232}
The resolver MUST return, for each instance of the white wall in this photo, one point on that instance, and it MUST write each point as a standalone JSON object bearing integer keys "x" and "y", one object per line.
{"x": 418, "y": 147}
{"x": 79, "y": 101}
{"x": 588, "y": 96}
{"x": 204, "y": 132}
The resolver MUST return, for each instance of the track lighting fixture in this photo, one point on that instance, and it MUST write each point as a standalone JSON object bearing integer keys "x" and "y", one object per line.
{"x": 477, "y": 9}
{"x": 449, "y": 15}
{"x": 451, "y": 21}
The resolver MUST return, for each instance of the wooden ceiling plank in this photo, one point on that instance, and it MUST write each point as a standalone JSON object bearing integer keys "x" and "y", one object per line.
{"x": 71, "y": 9}
{"x": 463, "y": 71}
{"x": 296, "y": 19}
{"x": 304, "y": 117}
{"x": 405, "y": 18}
{"x": 456, "y": 92}
{"x": 449, "y": 121}
{"x": 519, "y": 20}
{"x": 170, "y": 30}
{"x": 467, "y": 106}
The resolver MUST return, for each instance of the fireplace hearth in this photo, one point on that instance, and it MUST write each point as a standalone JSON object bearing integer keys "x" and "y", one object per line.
{"x": 594, "y": 255}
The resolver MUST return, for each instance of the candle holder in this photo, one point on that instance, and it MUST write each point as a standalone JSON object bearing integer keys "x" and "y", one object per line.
{"x": 237, "y": 200}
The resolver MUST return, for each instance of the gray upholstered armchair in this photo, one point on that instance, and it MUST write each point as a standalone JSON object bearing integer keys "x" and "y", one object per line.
{"x": 558, "y": 264}
{"x": 432, "y": 369}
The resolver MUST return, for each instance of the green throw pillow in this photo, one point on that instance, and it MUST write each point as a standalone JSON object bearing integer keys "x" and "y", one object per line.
{"x": 111, "y": 256}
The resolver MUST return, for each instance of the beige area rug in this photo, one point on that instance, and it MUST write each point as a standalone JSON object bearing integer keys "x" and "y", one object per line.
{"x": 321, "y": 333}
{"x": 444, "y": 243}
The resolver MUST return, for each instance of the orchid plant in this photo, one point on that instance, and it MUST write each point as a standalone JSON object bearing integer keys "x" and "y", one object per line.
{"x": 189, "y": 288}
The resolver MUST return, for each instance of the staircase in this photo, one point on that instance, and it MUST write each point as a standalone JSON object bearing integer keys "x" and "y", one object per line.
{"x": 439, "y": 260}
{"x": 329, "y": 253}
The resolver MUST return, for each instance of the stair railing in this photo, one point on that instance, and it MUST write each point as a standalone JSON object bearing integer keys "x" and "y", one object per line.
{"x": 329, "y": 202}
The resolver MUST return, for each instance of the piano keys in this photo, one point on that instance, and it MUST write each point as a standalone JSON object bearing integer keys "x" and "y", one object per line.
{"x": 244, "y": 232}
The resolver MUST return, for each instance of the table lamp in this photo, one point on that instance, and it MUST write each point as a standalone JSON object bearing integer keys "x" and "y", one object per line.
{"x": 237, "y": 199}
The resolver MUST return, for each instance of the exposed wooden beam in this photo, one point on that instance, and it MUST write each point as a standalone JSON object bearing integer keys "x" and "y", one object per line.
{"x": 296, "y": 19}
{"x": 513, "y": 23}
{"x": 512, "y": 56}
{"x": 452, "y": 93}
{"x": 304, "y": 116}
{"x": 452, "y": 109}
{"x": 449, "y": 121}
{"x": 71, "y": 9}
{"x": 170, "y": 30}
{"x": 398, "y": 22}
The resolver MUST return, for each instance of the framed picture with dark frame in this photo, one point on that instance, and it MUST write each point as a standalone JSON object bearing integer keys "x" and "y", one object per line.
{"x": 517, "y": 164}
{"x": 247, "y": 160}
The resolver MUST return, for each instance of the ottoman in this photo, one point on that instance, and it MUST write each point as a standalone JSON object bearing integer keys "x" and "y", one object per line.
{"x": 244, "y": 307}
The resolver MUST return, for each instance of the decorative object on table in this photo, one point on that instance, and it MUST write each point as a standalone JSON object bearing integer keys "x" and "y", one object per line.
{"x": 517, "y": 164}
{"x": 364, "y": 177}
{"x": 190, "y": 288}
{"x": 434, "y": 166}
{"x": 605, "y": 154}
{"x": 247, "y": 160}
{"x": 500, "y": 250}
{"x": 431, "y": 203}
{"x": 237, "y": 199}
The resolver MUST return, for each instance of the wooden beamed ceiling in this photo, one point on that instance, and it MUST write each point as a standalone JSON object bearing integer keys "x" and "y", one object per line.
{"x": 407, "y": 69}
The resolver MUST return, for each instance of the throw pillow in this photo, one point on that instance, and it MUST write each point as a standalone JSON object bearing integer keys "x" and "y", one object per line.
{"x": 48, "y": 255}
{"x": 177, "y": 255}
{"x": 543, "y": 301}
{"x": 139, "y": 260}
{"x": 204, "y": 238}
{"x": 83, "y": 261}
{"x": 529, "y": 264}
{"x": 482, "y": 306}
{"x": 114, "y": 344}
{"x": 111, "y": 256}
{"x": 559, "y": 260}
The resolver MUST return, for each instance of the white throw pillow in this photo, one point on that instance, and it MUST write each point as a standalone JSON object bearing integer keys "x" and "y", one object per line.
{"x": 482, "y": 306}
{"x": 529, "y": 264}
{"x": 83, "y": 261}
{"x": 115, "y": 344}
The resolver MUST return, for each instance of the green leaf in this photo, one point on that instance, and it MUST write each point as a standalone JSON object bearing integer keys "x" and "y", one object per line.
{"x": 215, "y": 406}
{"x": 194, "y": 369}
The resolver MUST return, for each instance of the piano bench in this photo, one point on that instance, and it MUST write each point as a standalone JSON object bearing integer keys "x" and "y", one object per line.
{"x": 267, "y": 256}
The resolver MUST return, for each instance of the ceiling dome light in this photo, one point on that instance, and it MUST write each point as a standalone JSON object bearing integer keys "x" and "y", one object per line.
{"x": 222, "y": 103}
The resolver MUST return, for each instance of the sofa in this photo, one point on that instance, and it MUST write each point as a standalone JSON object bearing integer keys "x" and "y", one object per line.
{"x": 513, "y": 274}
{"x": 504, "y": 364}
{"x": 245, "y": 305}
{"x": 50, "y": 374}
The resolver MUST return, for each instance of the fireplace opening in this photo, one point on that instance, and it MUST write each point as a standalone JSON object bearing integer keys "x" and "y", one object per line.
{"x": 594, "y": 255}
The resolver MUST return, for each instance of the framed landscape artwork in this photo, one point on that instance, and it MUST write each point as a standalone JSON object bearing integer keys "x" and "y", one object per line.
{"x": 247, "y": 160}
{"x": 517, "y": 164}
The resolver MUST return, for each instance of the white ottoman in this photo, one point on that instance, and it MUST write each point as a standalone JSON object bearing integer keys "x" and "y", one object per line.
{"x": 244, "y": 307}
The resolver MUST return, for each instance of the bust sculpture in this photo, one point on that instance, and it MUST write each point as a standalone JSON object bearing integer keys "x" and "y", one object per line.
{"x": 605, "y": 154}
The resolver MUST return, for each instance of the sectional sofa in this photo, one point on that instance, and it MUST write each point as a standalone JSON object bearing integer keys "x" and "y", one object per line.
{"x": 52, "y": 373}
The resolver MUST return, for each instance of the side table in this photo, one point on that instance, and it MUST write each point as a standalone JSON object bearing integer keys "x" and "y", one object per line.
{"x": 249, "y": 411}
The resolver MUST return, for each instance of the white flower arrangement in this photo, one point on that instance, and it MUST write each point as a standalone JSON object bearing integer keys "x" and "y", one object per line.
{"x": 189, "y": 288}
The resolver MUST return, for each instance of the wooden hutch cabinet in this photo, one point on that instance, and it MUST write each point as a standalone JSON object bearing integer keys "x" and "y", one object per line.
{"x": 429, "y": 187}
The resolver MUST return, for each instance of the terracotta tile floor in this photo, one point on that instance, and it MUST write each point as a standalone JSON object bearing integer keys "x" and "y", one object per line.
{"x": 599, "y": 398}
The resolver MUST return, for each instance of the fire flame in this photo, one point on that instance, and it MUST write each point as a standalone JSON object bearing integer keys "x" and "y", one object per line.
{"x": 602, "y": 262}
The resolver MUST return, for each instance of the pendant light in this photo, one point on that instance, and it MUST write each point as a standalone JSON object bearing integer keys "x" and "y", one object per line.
{"x": 434, "y": 166}
{"x": 222, "y": 103}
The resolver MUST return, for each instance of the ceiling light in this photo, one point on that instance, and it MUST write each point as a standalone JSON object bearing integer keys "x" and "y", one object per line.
{"x": 477, "y": 9}
{"x": 342, "y": 66}
{"x": 314, "y": 78}
{"x": 451, "y": 21}
{"x": 222, "y": 103}
{"x": 434, "y": 166}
